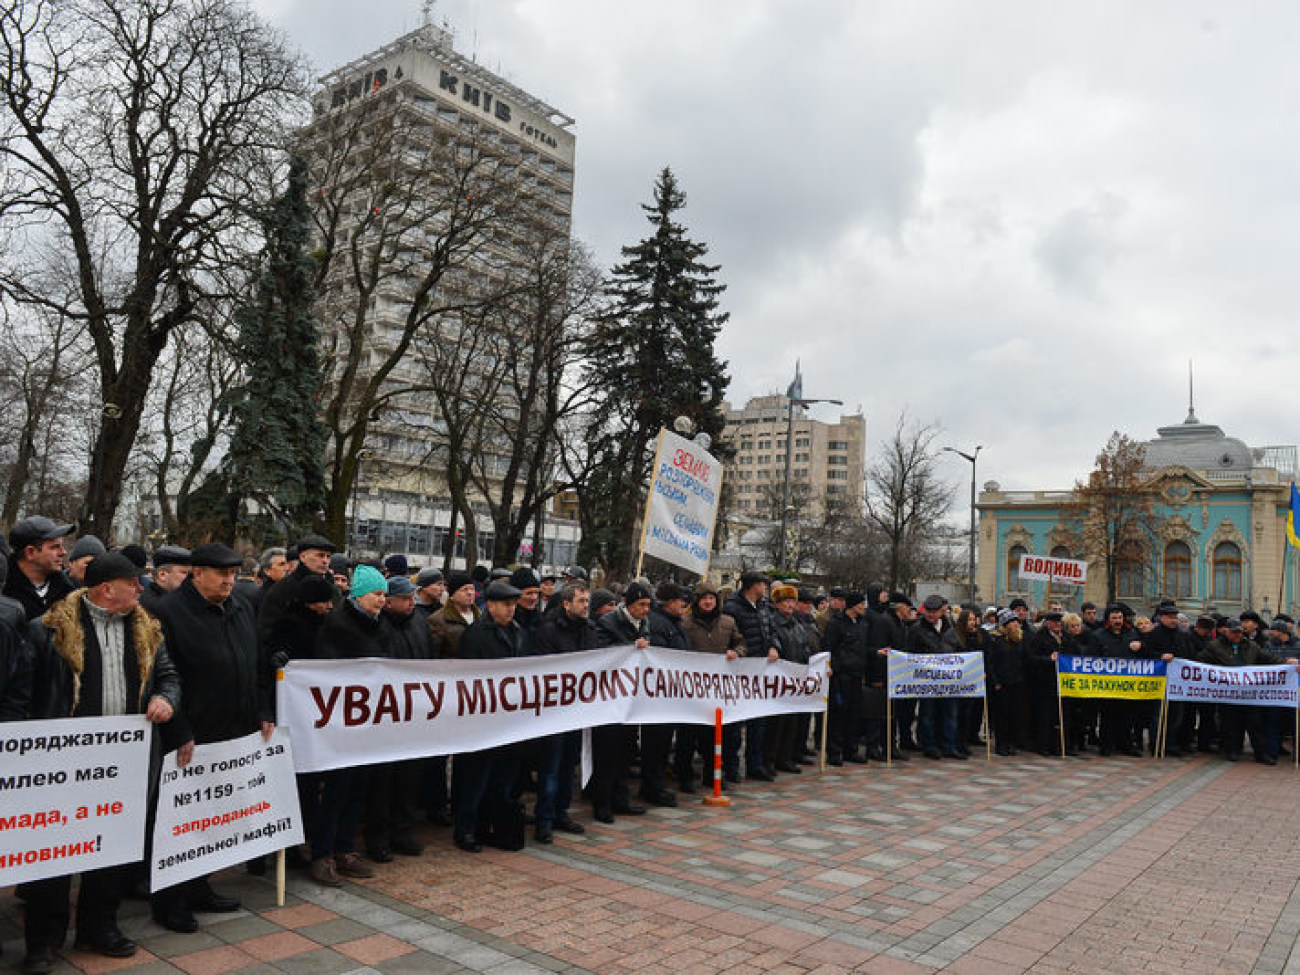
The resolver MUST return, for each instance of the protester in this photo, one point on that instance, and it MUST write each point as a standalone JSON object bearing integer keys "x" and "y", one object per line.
{"x": 87, "y": 548}
{"x": 171, "y": 564}
{"x": 36, "y": 577}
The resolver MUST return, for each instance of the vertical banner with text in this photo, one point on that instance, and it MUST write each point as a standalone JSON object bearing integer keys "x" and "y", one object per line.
{"x": 682, "y": 505}
{"x": 236, "y": 800}
{"x": 72, "y": 795}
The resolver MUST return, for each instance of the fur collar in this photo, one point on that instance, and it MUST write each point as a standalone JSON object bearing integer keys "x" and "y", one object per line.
{"x": 66, "y": 630}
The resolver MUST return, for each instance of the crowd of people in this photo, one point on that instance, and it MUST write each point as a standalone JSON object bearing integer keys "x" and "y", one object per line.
{"x": 192, "y": 640}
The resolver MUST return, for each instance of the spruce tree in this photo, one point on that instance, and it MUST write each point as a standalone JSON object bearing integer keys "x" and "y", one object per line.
{"x": 278, "y": 445}
{"x": 654, "y": 361}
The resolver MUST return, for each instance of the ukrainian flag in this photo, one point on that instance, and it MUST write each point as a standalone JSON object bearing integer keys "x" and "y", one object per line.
{"x": 1293, "y": 517}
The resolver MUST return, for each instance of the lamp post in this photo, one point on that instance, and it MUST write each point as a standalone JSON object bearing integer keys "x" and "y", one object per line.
{"x": 789, "y": 457}
{"x": 970, "y": 457}
{"x": 353, "y": 547}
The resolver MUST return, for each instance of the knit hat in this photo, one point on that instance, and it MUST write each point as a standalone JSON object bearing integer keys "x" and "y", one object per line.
{"x": 396, "y": 565}
{"x": 367, "y": 579}
{"x": 316, "y": 589}
{"x": 428, "y": 577}
{"x": 458, "y": 580}
{"x": 634, "y": 593}
{"x": 600, "y": 598}
{"x": 339, "y": 564}
{"x": 524, "y": 578}
{"x": 87, "y": 545}
{"x": 854, "y": 598}
{"x": 669, "y": 591}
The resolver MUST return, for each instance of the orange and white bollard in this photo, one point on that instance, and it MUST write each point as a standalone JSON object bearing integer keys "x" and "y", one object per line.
{"x": 717, "y": 799}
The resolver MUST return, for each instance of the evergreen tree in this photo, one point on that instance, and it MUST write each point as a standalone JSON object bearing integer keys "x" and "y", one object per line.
{"x": 655, "y": 361}
{"x": 277, "y": 449}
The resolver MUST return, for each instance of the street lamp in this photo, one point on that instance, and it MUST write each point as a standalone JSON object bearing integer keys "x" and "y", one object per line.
{"x": 789, "y": 457}
{"x": 971, "y": 458}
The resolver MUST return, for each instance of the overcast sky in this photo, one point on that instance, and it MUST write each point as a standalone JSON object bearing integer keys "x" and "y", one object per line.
{"x": 1017, "y": 220}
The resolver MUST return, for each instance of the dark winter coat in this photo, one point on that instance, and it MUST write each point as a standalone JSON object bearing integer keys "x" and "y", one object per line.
{"x": 19, "y": 587}
{"x": 293, "y": 637}
{"x": 1004, "y": 661}
{"x": 410, "y": 636}
{"x": 666, "y": 631}
{"x": 1039, "y": 647}
{"x": 923, "y": 637}
{"x": 755, "y": 623}
{"x": 617, "y": 629}
{"x": 1108, "y": 644}
{"x": 349, "y": 633}
{"x": 561, "y": 634}
{"x": 15, "y": 674}
{"x": 791, "y": 638}
{"x": 151, "y": 595}
{"x": 278, "y": 598}
{"x": 1246, "y": 653}
{"x": 1168, "y": 639}
{"x": 846, "y": 642}
{"x": 714, "y": 632}
{"x": 218, "y": 655}
{"x": 485, "y": 640}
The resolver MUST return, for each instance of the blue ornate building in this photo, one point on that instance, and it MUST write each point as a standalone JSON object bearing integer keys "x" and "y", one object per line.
{"x": 1219, "y": 531}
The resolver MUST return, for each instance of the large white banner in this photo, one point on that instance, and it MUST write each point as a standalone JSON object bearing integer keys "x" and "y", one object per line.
{"x": 236, "y": 800}
{"x": 357, "y": 712}
{"x": 682, "y": 505}
{"x": 72, "y": 795}
{"x": 936, "y": 674}
{"x": 1272, "y": 686}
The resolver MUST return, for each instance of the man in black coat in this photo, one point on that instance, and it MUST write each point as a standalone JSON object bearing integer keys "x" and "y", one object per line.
{"x": 171, "y": 564}
{"x": 96, "y": 654}
{"x": 568, "y": 630}
{"x": 612, "y": 744}
{"x": 212, "y": 637}
{"x": 845, "y": 641}
{"x": 936, "y": 719}
{"x": 1167, "y": 641}
{"x": 482, "y": 781}
{"x": 664, "y": 628}
{"x": 36, "y": 578}
{"x": 313, "y": 559}
{"x": 1118, "y": 640}
{"x": 1042, "y": 647}
{"x": 749, "y": 607}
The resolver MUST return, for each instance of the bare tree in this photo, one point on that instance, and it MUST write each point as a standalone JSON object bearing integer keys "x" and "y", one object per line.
{"x": 134, "y": 133}
{"x": 906, "y": 500}
{"x": 1112, "y": 518}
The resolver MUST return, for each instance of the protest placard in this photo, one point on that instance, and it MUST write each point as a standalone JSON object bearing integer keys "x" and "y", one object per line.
{"x": 1134, "y": 679}
{"x": 1048, "y": 569}
{"x": 936, "y": 674}
{"x": 357, "y": 712}
{"x": 682, "y": 503}
{"x": 236, "y": 800}
{"x": 73, "y": 795}
{"x": 1267, "y": 686}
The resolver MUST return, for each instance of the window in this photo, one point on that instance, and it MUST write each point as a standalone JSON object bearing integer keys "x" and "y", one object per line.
{"x": 801, "y": 458}
{"x": 1129, "y": 577}
{"x": 765, "y": 445}
{"x": 1178, "y": 570}
{"x": 1013, "y": 568}
{"x": 1227, "y": 571}
{"x": 835, "y": 489}
{"x": 837, "y": 445}
{"x": 838, "y": 461}
{"x": 837, "y": 475}
{"x": 801, "y": 442}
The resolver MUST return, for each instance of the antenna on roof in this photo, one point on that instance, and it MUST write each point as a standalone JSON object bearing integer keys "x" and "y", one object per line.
{"x": 427, "y": 8}
{"x": 1191, "y": 396}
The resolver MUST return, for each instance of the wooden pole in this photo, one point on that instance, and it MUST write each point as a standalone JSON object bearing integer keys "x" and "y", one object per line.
{"x": 826, "y": 720}
{"x": 1060, "y": 706}
{"x": 988, "y": 731}
{"x": 645, "y": 514}
{"x": 889, "y": 725}
{"x": 1162, "y": 728}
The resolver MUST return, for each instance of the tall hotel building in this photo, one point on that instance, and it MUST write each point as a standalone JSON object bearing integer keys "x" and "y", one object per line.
{"x": 401, "y": 504}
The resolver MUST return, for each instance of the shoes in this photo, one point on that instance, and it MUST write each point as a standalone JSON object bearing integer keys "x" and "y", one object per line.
{"x": 1003, "y": 751}
{"x": 440, "y": 817}
{"x": 176, "y": 917}
{"x": 567, "y": 825}
{"x": 732, "y": 777}
{"x": 39, "y": 961}
{"x": 1232, "y": 756}
{"x": 404, "y": 846}
{"x": 1072, "y": 753}
{"x": 835, "y": 760}
{"x": 789, "y": 767}
{"x": 876, "y": 754}
{"x": 1266, "y": 759}
{"x": 111, "y": 943}
{"x": 380, "y": 854}
{"x": 760, "y": 775}
{"x": 858, "y": 759}
{"x": 469, "y": 843}
{"x": 208, "y": 899}
{"x": 907, "y": 745}
{"x": 1175, "y": 752}
{"x": 807, "y": 760}
{"x": 350, "y": 865}
{"x": 900, "y": 756}
{"x": 960, "y": 756}
{"x": 602, "y": 815}
{"x": 933, "y": 753}
{"x": 630, "y": 809}
{"x": 325, "y": 873}
{"x": 686, "y": 786}
{"x": 543, "y": 834}
{"x": 663, "y": 798}
{"x": 1130, "y": 752}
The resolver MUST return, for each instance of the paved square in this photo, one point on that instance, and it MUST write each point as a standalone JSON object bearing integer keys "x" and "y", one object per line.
{"x": 1019, "y": 865}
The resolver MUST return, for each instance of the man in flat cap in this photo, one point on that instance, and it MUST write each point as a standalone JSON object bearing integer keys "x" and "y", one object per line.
{"x": 314, "y": 553}
{"x": 430, "y": 593}
{"x": 171, "y": 565}
{"x": 612, "y": 743}
{"x": 36, "y": 576}
{"x": 212, "y": 637}
{"x": 482, "y": 780}
{"x": 86, "y": 549}
{"x": 97, "y": 653}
